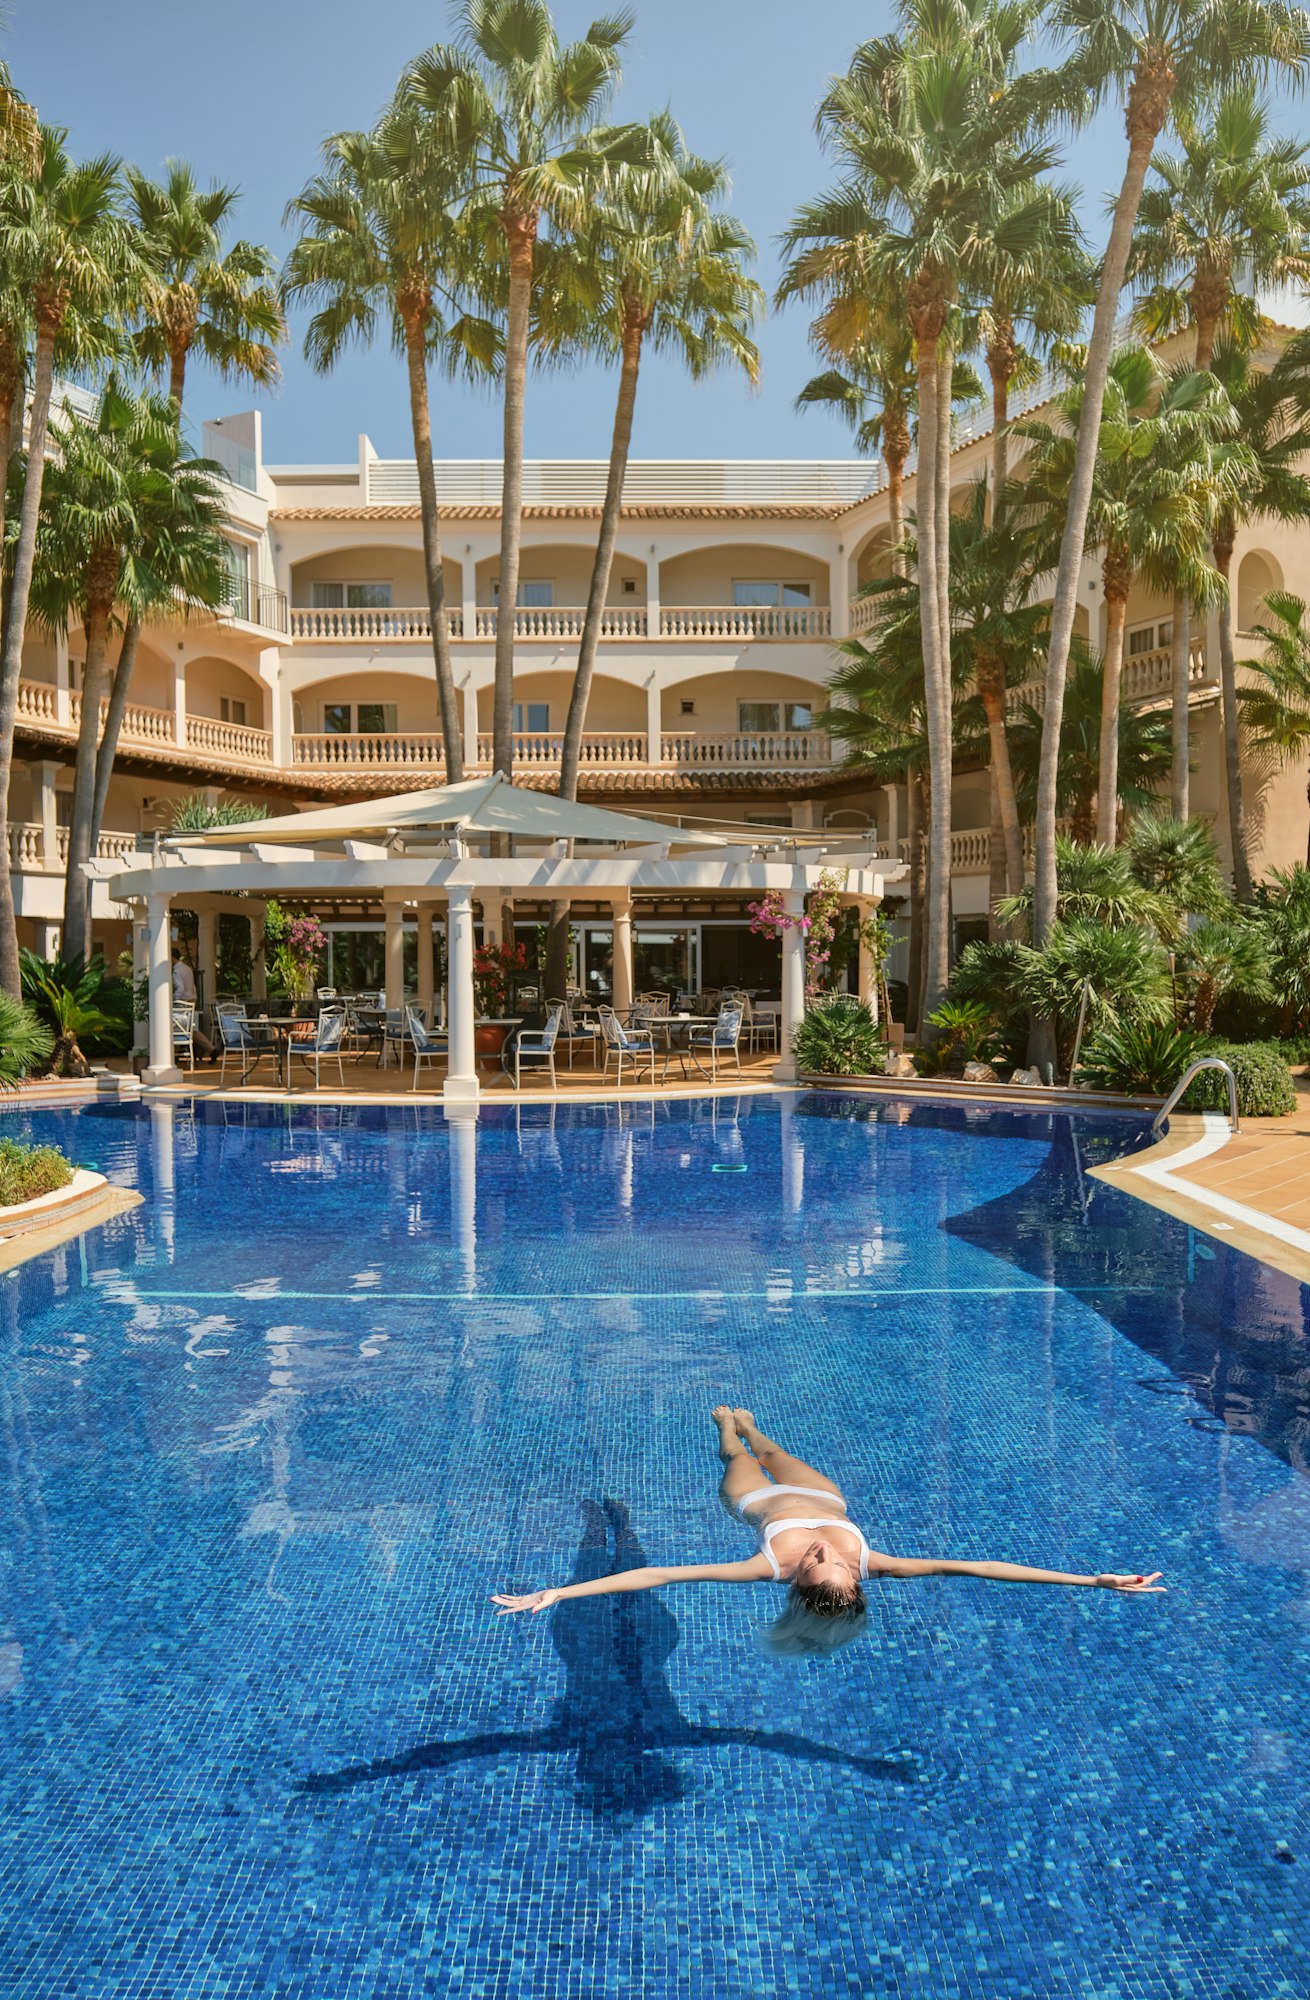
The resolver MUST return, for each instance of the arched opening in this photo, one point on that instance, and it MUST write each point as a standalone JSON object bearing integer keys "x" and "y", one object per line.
{"x": 747, "y": 702}
{"x": 1257, "y": 576}
{"x": 369, "y": 579}
{"x": 541, "y": 704}
{"x": 367, "y": 704}
{"x": 223, "y": 692}
{"x": 557, "y": 575}
{"x": 745, "y": 576}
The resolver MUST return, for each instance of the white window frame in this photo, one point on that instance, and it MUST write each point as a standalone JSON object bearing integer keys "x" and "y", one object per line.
{"x": 391, "y": 728}
{"x": 779, "y": 704}
{"x": 321, "y": 589}
{"x": 227, "y": 703}
{"x": 779, "y": 586}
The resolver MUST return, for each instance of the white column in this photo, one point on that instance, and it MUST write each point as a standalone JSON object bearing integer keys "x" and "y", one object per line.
{"x": 45, "y": 937}
{"x": 395, "y": 955}
{"x": 654, "y": 720}
{"x": 207, "y": 956}
{"x": 283, "y": 720}
{"x": 793, "y": 986}
{"x": 43, "y": 787}
{"x": 63, "y": 683}
{"x": 425, "y": 981}
{"x": 140, "y": 969}
{"x": 159, "y": 945}
{"x": 839, "y": 593}
{"x": 470, "y": 721}
{"x": 892, "y": 794}
{"x": 461, "y": 1070}
{"x": 468, "y": 583}
{"x": 462, "y": 1120}
{"x": 258, "y": 962}
{"x": 622, "y": 955}
{"x": 179, "y": 695}
{"x": 653, "y": 595}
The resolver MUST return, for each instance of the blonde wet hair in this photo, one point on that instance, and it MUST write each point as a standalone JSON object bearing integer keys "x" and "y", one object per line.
{"x": 817, "y": 1619}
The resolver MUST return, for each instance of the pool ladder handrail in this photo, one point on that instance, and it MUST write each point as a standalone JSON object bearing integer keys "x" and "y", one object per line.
{"x": 1202, "y": 1062}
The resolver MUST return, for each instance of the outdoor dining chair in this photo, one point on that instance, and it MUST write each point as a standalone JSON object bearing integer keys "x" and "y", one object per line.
{"x": 538, "y": 1045}
{"x": 395, "y": 1035}
{"x": 184, "y": 1033}
{"x": 717, "y": 1043}
{"x": 570, "y": 1032}
{"x": 427, "y": 1044}
{"x": 240, "y": 1042}
{"x": 621, "y": 1042}
{"x": 759, "y": 1028}
{"x": 323, "y": 1045}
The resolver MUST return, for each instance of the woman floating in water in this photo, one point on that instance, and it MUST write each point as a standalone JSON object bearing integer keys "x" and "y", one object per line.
{"x": 819, "y": 1552}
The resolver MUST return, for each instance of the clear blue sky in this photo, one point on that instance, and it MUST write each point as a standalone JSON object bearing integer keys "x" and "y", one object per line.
{"x": 247, "y": 92}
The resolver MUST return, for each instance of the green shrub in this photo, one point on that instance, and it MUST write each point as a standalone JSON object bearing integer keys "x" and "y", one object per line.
{"x": 1264, "y": 1084}
{"x": 838, "y": 1037}
{"x": 967, "y": 1032}
{"x": 25, "y": 1042}
{"x": 1137, "y": 1056}
{"x": 29, "y": 1171}
{"x": 89, "y": 1011}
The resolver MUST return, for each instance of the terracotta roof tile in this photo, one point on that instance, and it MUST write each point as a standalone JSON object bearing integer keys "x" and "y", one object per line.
{"x": 487, "y": 510}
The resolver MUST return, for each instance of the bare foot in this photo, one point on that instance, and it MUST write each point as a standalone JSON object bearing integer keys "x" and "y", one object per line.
{"x": 745, "y": 1422}
{"x": 726, "y": 1419}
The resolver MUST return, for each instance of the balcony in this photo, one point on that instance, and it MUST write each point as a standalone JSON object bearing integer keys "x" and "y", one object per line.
{"x": 1147, "y": 678}
{"x": 410, "y": 624}
{"x": 616, "y": 750}
{"x": 27, "y": 848}
{"x": 228, "y": 742}
{"x": 256, "y": 604}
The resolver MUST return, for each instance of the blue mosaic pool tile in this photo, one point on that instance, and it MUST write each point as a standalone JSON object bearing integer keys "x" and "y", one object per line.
{"x": 273, "y": 1438}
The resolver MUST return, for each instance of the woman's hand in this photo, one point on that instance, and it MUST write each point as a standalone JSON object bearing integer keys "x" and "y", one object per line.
{"x": 536, "y": 1600}
{"x": 1136, "y": 1585}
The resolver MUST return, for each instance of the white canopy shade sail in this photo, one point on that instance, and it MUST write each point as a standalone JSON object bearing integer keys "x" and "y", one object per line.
{"x": 478, "y": 805}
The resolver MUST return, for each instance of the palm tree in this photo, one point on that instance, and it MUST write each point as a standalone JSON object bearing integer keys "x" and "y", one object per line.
{"x": 1273, "y": 418}
{"x": 1276, "y": 709}
{"x": 64, "y": 241}
{"x": 378, "y": 242}
{"x": 1234, "y": 204}
{"x": 935, "y": 138}
{"x": 1152, "y": 55}
{"x": 671, "y": 278}
{"x": 1144, "y": 750}
{"x": 515, "y": 108}
{"x": 1150, "y": 506}
{"x": 875, "y": 391}
{"x": 220, "y": 304}
{"x": 109, "y": 491}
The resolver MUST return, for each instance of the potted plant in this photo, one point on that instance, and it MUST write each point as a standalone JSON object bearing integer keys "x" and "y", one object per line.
{"x": 493, "y": 965}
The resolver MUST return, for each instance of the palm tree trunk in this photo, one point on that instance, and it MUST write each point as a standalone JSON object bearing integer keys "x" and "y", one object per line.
{"x": 11, "y": 664}
{"x": 991, "y": 692}
{"x": 77, "y": 890}
{"x": 634, "y": 328}
{"x": 896, "y": 508}
{"x": 1000, "y": 366}
{"x": 1149, "y": 99}
{"x": 916, "y": 816}
{"x": 996, "y": 869}
{"x": 1107, "y": 781}
{"x": 1182, "y": 658}
{"x": 114, "y": 712}
{"x": 522, "y": 234}
{"x": 452, "y": 732}
{"x": 1237, "y": 837}
{"x": 177, "y": 377}
{"x": 936, "y": 948}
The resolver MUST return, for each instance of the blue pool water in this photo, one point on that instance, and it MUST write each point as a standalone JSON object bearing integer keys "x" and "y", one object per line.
{"x": 271, "y": 1440}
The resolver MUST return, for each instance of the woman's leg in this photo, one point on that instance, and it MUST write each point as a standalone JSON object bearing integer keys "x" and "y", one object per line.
{"x": 780, "y": 1464}
{"x": 740, "y": 1472}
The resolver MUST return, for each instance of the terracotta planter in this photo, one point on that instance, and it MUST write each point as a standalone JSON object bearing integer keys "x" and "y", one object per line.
{"x": 488, "y": 1042}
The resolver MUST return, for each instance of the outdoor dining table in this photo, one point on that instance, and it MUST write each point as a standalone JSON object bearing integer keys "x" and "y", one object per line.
{"x": 280, "y": 1030}
{"x": 682, "y": 1023}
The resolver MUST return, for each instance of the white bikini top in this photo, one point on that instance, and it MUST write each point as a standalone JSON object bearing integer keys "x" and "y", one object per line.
{"x": 768, "y": 1529}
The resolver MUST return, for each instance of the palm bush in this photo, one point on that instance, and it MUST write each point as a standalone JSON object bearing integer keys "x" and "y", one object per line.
{"x": 25, "y": 1042}
{"x": 88, "y": 1012}
{"x": 967, "y": 1031}
{"x": 1138, "y": 1056}
{"x": 839, "y": 1037}
{"x": 1282, "y": 911}
{"x": 1125, "y": 970}
{"x": 1224, "y": 954}
{"x": 1264, "y": 1084}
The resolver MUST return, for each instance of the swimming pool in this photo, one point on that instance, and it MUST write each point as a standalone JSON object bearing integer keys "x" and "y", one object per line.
{"x": 271, "y": 1439}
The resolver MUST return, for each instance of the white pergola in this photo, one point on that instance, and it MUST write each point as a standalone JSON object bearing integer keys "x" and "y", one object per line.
{"x": 484, "y": 841}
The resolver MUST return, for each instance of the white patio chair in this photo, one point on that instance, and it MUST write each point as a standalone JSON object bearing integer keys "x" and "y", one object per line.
{"x": 428, "y": 1045}
{"x": 240, "y": 1042}
{"x": 323, "y": 1045}
{"x": 538, "y": 1045}
{"x": 325, "y": 993}
{"x": 621, "y": 1042}
{"x": 569, "y": 1033}
{"x": 716, "y": 1043}
{"x": 184, "y": 1033}
{"x": 759, "y": 1029}
{"x": 395, "y": 1035}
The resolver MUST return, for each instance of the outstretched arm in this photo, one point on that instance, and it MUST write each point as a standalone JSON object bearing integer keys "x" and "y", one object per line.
{"x": 910, "y": 1566}
{"x": 753, "y": 1570}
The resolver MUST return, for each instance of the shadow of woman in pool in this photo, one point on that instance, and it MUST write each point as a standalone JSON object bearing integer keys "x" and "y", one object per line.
{"x": 617, "y": 1712}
